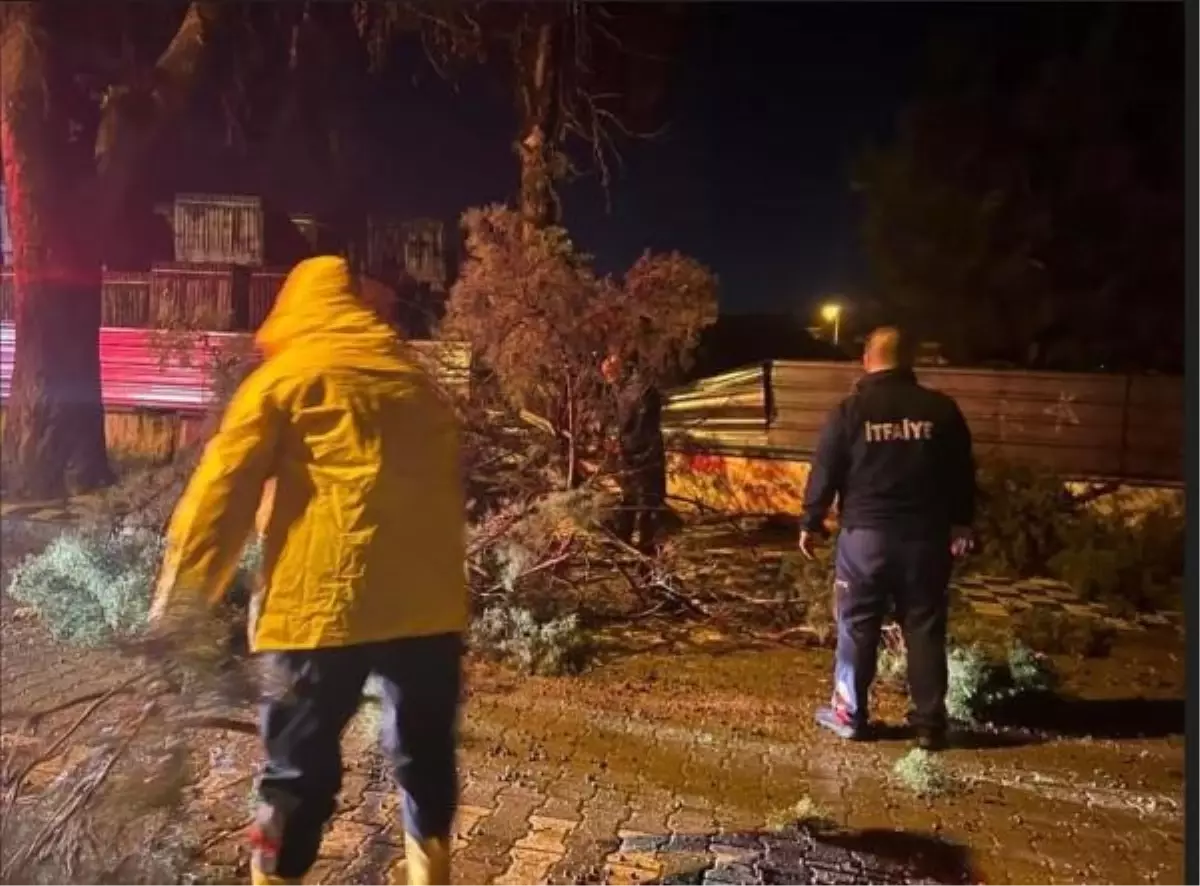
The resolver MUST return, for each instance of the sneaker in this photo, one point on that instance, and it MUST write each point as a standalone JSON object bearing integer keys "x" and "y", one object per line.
{"x": 840, "y": 725}
{"x": 931, "y": 739}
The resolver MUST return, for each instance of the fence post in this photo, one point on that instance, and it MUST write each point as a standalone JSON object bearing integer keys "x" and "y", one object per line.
{"x": 1122, "y": 460}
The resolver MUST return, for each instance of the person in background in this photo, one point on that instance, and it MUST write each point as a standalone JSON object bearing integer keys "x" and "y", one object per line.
{"x": 643, "y": 457}
{"x": 363, "y": 528}
{"x": 897, "y": 457}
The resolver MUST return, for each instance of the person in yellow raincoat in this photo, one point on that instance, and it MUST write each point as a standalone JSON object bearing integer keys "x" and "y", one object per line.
{"x": 364, "y": 563}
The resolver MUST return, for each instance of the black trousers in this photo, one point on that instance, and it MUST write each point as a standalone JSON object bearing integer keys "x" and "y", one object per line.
{"x": 643, "y": 498}
{"x": 312, "y": 696}
{"x": 876, "y": 569}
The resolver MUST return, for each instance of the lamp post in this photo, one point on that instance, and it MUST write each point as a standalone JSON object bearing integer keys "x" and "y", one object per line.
{"x": 832, "y": 313}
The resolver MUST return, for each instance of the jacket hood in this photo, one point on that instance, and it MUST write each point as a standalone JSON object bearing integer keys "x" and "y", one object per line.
{"x": 318, "y": 303}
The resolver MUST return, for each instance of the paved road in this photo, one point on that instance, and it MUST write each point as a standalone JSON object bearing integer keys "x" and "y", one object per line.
{"x": 684, "y": 769}
{"x": 687, "y": 764}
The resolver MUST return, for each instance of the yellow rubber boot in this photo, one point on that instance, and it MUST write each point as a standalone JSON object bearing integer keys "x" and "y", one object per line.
{"x": 427, "y": 862}
{"x": 258, "y": 878}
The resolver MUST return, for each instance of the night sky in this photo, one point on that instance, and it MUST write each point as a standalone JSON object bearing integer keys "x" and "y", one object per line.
{"x": 769, "y": 104}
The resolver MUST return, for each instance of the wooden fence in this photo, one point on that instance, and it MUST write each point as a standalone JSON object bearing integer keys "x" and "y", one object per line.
{"x": 227, "y": 298}
{"x": 1081, "y": 425}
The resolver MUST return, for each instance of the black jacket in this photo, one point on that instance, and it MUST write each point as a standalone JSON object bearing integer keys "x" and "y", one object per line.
{"x": 896, "y": 455}
{"x": 640, "y": 429}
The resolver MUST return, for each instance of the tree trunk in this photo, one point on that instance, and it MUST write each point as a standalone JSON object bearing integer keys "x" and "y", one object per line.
{"x": 537, "y": 75}
{"x": 63, "y": 198}
{"x": 54, "y": 423}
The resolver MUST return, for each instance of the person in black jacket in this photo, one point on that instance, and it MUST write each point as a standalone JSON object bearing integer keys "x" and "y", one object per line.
{"x": 897, "y": 457}
{"x": 643, "y": 460}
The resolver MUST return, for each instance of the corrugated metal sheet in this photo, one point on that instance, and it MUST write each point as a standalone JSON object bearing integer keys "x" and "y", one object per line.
{"x": 1085, "y": 425}
{"x": 125, "y": 299}
{"x": 8, "y": 295}
{"x": 264, "y": 289}
{"x": 212, "y": 297}
{"x": 6, "y": 246}
{"x": 218, "y": 229}
{"x": 135, "y": 375}
{"x": 415, "y": 247}
{"x": 727, "y": 412}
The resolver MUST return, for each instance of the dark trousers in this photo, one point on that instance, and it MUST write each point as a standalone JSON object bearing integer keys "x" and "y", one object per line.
{"x": 881, "y": 569}
{"x": 313, "y": 694}
{"x": 643, "y": 498}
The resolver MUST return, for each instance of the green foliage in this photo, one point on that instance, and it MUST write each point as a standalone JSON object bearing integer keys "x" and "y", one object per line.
{"x": 547, "y": 648}
{"x": 893, "y": 666}
{"x": 976, "y": 682}
{"x": 1063, "y": 633}
{"x": 1030, "y": 525}
{"x": 90, "y": 587}
{"x": 924, "y": 774}
{"x": 542, "y": 321}
{"x": 1137, "y": 565}
{"x": 1024, "y": 512}
{"x": 809, "y": 583}
{"x": 805, "y": 812}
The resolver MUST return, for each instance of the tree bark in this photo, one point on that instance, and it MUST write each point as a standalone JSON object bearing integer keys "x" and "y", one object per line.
{"x": 54, "y": 422}
{"x": 59, "y": 210}
{"x": 537, "y": 90}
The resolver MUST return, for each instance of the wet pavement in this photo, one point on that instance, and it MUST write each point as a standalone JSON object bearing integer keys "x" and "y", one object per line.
{"x": 698, "y": 762}
{"x": 703, "y": 767}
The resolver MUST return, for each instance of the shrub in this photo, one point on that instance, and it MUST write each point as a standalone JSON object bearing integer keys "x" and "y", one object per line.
{"x": 1029, "y": 525}
{"x": 1023, "y": 513}
{"x": 548, "y": 648}
{"x": 977, "y": 683}
{"x": 809, "y": 584}
{"x": 94, "y": 586}
{"x": 893, "y": 666}
{"x": 924, "y": 774}
{"x": 1057, "y": 633}
{"x": 90, "y": 588}
{"x": 1136, "y": 565}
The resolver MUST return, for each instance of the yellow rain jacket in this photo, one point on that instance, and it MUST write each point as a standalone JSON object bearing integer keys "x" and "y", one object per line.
{"x": 365, "y": 538}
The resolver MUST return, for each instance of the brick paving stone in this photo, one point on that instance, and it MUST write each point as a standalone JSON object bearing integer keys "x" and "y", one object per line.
{"x": 630, "y": 875}
{"x": 344, "y": 838}
{"x": 572, "y": 789}
{"x": 510, "y": 819}
{"x": 722, "y": 874}
{"x": 533, "y": 810}
{"x": 325, "y": 870}
{"x": 592, "y": 841}
{"x": 649, "y": 822}
{"x": 556, "y": 807}
{"x": 485, "y": 853}
{"x": 467, "y": 818}
{"x": 375, "y": 807}
{"x": 692, "y": 820}
{"x": 528, "y": 866}
{"x": 465, "y": 871}
{"x": 372, "y": 862}
{"x": 481, "y": 792}
{"x": 637, "y": 841}
{"x": 547, "y": 834}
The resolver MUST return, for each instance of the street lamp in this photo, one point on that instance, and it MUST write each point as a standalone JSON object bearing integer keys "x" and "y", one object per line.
{"x": 832, "y": 313}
